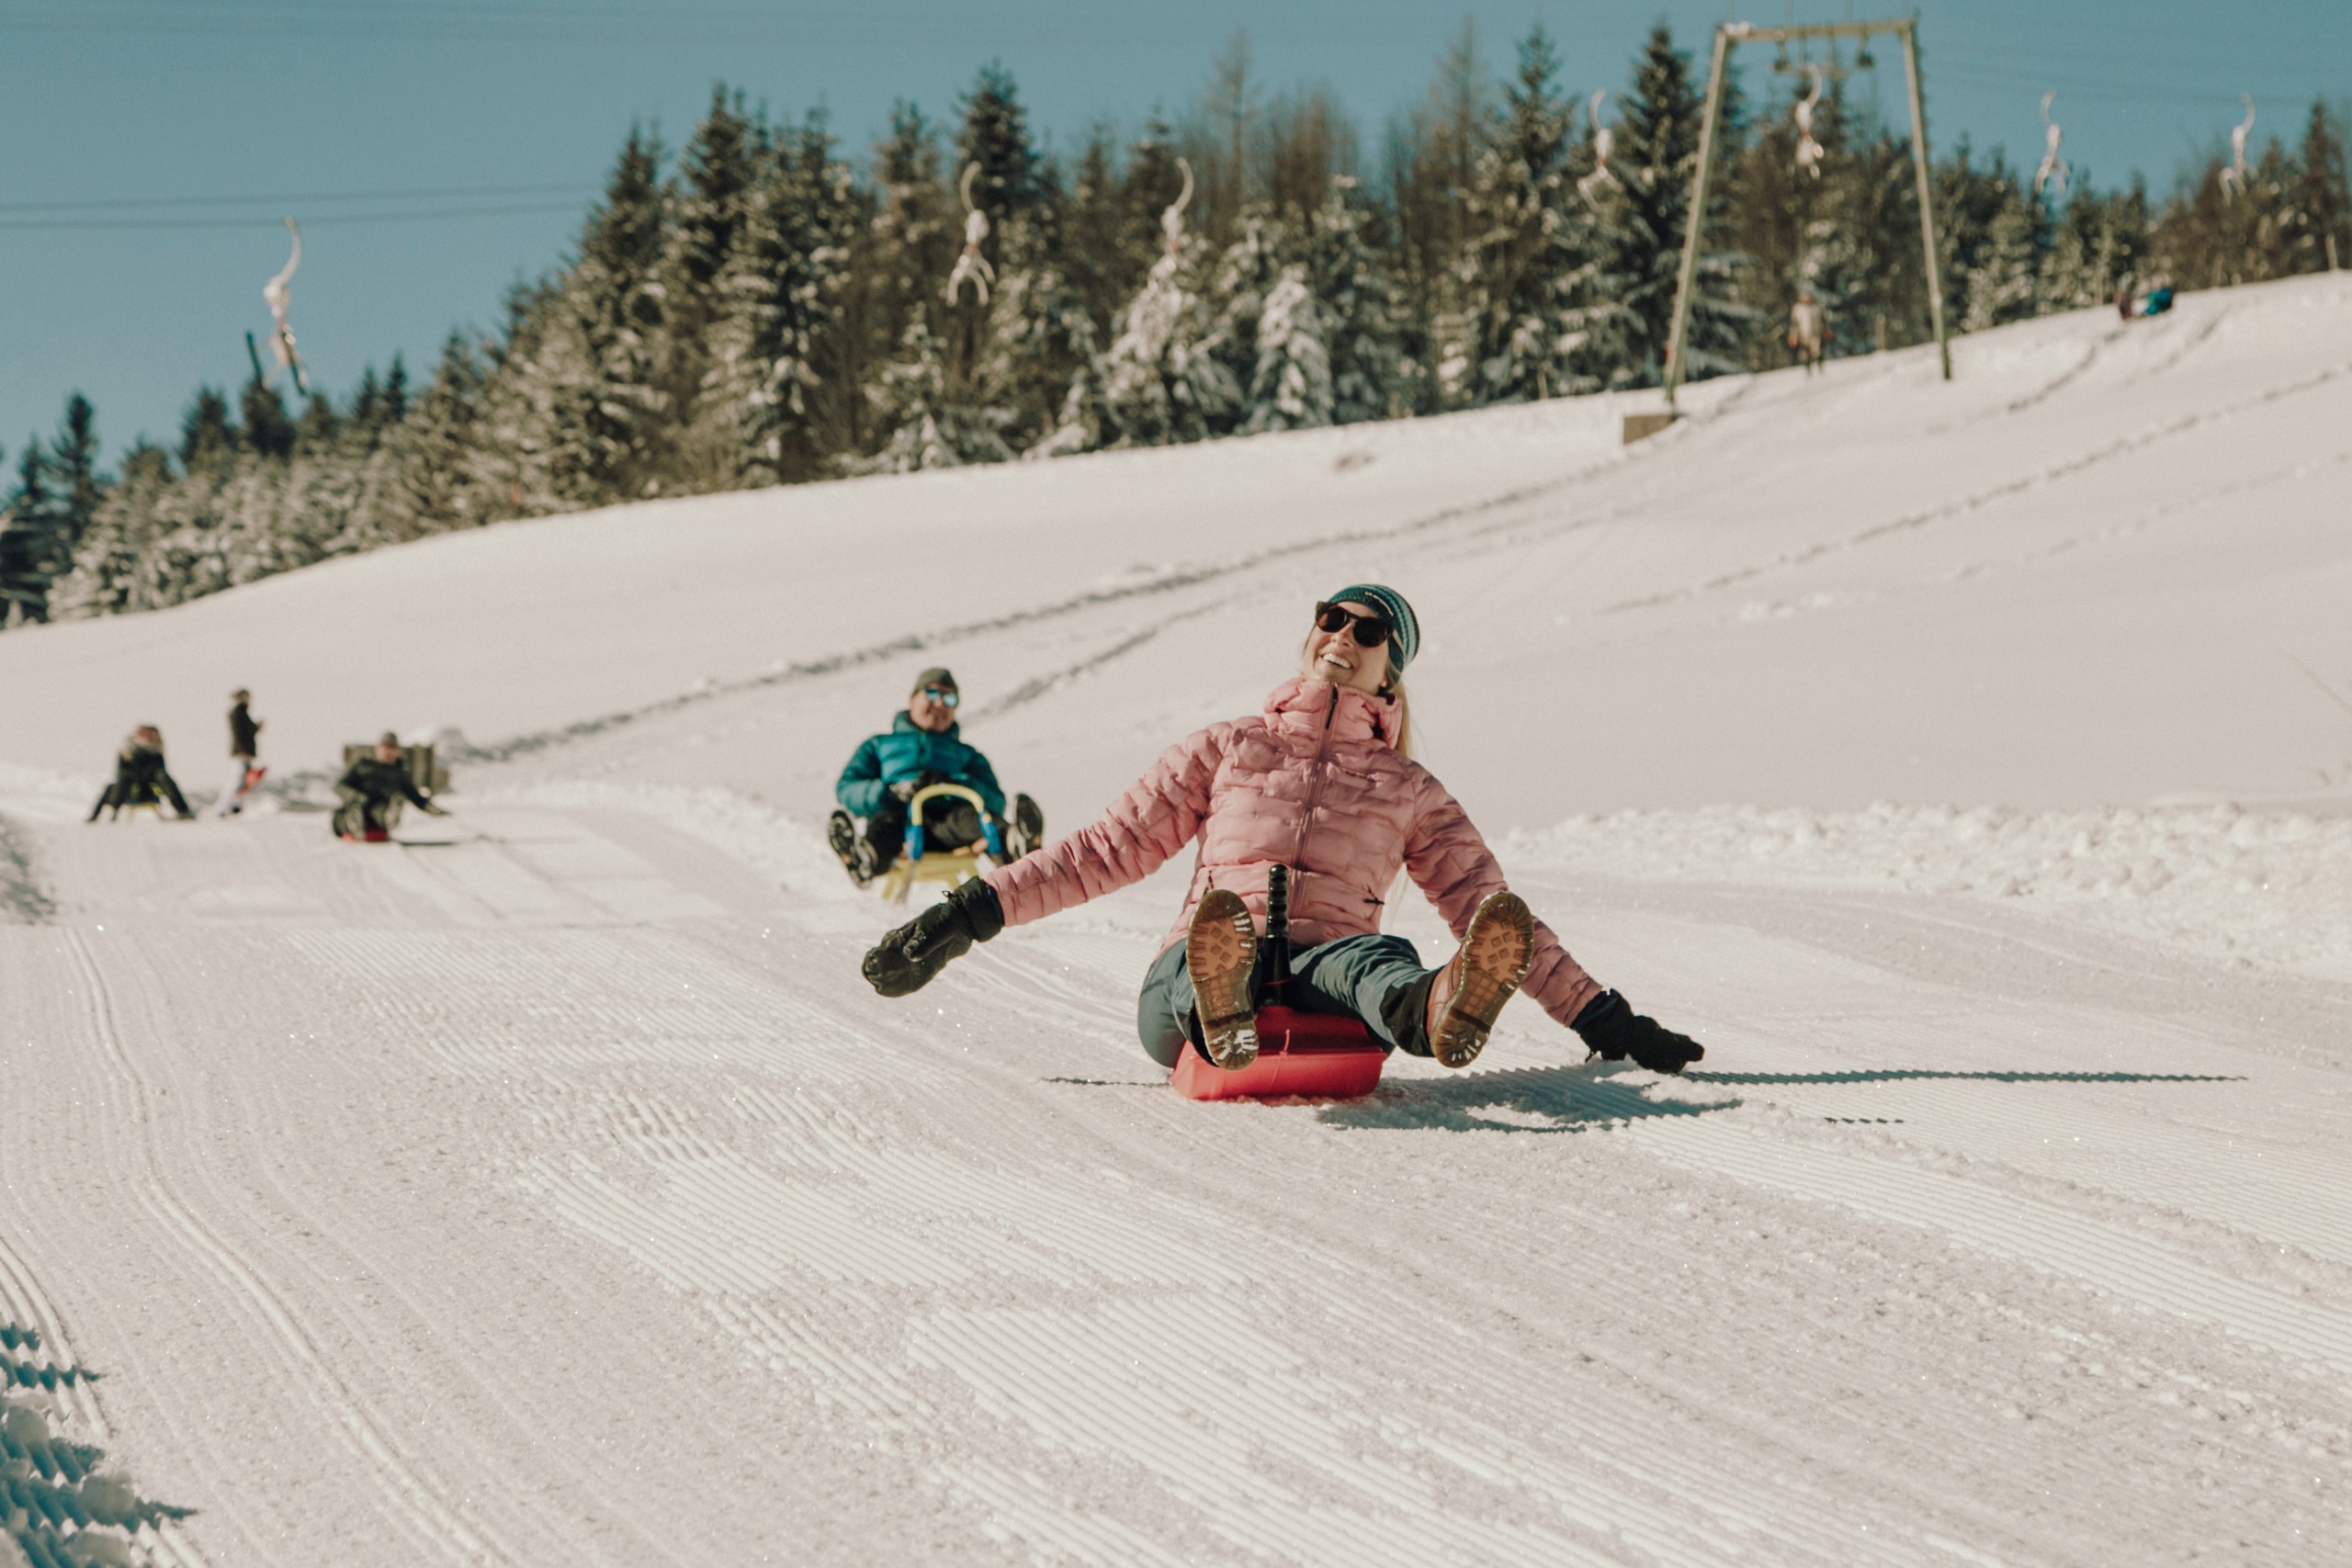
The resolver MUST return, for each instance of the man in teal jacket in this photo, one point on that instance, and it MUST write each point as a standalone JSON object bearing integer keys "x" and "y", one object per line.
{"x": 922, "y": 748}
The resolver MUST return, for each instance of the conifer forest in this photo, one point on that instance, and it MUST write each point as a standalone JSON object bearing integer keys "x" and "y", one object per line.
{"x": 763, "y": 305}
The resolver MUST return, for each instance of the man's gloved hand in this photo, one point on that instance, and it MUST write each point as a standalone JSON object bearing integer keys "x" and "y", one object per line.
{"x": 905, "y": 788}
{"x": 904, "y": 961}
{"x": 1610, "y": 1025}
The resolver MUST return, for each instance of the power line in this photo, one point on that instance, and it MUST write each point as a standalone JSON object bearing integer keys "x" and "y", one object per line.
{"x": 306, "y": 199}
{"x": 331, "y": 220}
{"x": 419, "y": 19}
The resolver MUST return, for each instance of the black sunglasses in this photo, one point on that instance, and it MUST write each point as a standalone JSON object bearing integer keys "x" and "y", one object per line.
{"x": 1370, "y": 630}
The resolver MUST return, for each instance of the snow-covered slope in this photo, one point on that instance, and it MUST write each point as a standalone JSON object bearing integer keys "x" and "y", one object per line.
{"x": 2104, "y": 565}
{"x": 1967, "y": 764}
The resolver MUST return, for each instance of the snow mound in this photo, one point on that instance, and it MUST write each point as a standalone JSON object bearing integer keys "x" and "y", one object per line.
{"x": 2268, "y": 889}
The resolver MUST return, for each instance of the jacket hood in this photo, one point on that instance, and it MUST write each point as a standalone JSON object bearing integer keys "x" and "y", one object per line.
{"x": 1301, "y": 703}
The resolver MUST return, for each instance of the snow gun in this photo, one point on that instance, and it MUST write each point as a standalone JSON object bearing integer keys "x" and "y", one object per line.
{"x": 1322, "y": 1054}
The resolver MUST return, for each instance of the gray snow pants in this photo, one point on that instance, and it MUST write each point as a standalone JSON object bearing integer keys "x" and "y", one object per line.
{"x": 1355, "y": 976}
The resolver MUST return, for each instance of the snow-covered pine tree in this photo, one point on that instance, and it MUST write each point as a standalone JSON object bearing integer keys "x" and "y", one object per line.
{"x": 105, "y": 575}
{"x": 992, "y": 142}
{"x": 57, "y": 495}
{"x": 707, "y": 207}
{"x": 2100, "y": 246}
{"x": 1292, "y": 387}
{"x": 1638, "y": 240}
{"x": 924, "y": 427}
{"x": 1522, "y": 239}
{"x": 1354, "y": 289}
{"x": 771, "y": 406}
{"x": 1161, "y": 384}
{"x": 1118, "y": 232}
{"x": 269, "y": 429}
{"x": 1246, "y": 273}
{"x": 24, "y": 537}
{"x": 1107, "y": 242}
{"x": 1428, "y": 161}
{"x": 2319, "y": 200}
{"x": 2005, "y": 284}
{"x": 1012, "y": 359}
{"x": 579, "y": 406}
{"x": 899, "y": 260}
{"x": 967, "y": 377}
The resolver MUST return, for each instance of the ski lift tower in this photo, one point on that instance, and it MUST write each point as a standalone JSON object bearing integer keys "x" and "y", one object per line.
{"x": 1732, "y": 33}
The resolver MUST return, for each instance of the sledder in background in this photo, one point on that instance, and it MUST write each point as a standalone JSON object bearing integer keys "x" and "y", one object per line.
{"x": 1321, "y": 786}
{"x": 245, "y": 755}
{"x": 372, "y": 789}
{"x": 141, "y": 778}
{"x": 922, "y": 750}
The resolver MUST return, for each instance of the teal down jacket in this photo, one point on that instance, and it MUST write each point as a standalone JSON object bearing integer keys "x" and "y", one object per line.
{"x": 907, "y": 754}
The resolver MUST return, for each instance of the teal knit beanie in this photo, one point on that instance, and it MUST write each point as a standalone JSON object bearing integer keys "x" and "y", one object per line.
{"x": 1404, "y": 631}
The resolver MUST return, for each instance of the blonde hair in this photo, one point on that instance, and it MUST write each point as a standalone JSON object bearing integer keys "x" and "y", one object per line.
{"x": 1393, "y": 689}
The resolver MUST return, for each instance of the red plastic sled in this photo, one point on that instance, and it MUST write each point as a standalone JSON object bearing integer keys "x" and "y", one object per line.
{"x": 1298, "y": 1053}
{"x": 1316, "y": 1053}
{"x": 374, "y": 836}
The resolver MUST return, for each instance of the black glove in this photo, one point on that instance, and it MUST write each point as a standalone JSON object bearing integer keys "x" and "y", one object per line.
{"x": 903, "y": 789}
{"x": 1610, "y": 1025}
{"x": 904, "y": 961}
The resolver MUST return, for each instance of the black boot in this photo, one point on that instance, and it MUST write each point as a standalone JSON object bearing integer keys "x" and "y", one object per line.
{"x": 855, "y": 852}
{"x": 1028, "y": 829}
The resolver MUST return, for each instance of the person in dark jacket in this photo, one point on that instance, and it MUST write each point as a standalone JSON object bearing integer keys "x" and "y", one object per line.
{"x": 141, "y": 778}
{"x": 371, "y": 789}
{"x": 244, "y": 753}
{"x": 923, "y": 747}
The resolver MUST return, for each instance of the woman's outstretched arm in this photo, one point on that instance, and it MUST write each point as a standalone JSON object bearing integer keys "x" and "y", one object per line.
{"x": 1156, "y": 817}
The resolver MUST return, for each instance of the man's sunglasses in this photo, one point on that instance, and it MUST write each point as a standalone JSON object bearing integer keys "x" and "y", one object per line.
{"x": 942, "y": 695}
{"x": 1370, "y": 630}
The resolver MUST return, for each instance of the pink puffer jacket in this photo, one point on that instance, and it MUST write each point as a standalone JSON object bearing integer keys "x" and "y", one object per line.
{"x": 1314, "y": 784}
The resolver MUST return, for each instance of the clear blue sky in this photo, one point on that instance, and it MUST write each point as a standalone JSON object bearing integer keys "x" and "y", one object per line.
{"x": 523, "y": 103}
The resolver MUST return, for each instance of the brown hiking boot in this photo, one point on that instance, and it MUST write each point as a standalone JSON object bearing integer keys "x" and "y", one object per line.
{"x": 1221, "y": 956}
{"x": 1467, "y": 994}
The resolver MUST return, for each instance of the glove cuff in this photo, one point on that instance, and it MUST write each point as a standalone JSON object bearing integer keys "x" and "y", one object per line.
{"x": 1597, "y": 1015}
{"x": 980, "y": 907}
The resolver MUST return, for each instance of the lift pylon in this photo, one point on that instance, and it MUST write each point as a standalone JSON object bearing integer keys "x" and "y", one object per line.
{"x": 1727, "y": 36}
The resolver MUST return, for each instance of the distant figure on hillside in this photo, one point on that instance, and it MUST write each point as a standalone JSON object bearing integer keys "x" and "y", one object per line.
{"x": 2154, "y": 302}
{"x": 245, "y": 755}
{"x": 140, "y": 777}
{"x": 1806, "y": 330}
{"x": 371, "y": 790}
{"x": 921, "y": 747}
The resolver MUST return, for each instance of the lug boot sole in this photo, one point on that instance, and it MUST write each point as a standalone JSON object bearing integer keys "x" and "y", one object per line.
{"x": 1221, "y": 956}
{"x": 1496, "y": 951}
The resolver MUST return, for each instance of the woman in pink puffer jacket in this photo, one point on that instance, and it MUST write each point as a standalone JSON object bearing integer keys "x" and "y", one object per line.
{"x": 1320, "y": 783}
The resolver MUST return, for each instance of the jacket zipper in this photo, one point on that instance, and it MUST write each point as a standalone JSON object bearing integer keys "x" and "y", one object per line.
{"x": 1314, "y": 774}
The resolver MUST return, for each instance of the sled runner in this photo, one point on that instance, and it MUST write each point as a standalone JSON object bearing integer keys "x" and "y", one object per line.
{"x": 1316, "y": 1054}
{"x": 953, "y": 867}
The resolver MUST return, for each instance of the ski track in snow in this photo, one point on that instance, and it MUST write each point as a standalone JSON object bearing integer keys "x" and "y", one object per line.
{"x": 433, "y": 1525}
{"x": 550, "y": 1189}
{"x": 2121, "y": 448}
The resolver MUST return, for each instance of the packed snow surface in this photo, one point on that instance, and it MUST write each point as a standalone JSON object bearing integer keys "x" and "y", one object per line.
{"x": 1966, "y": 764}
